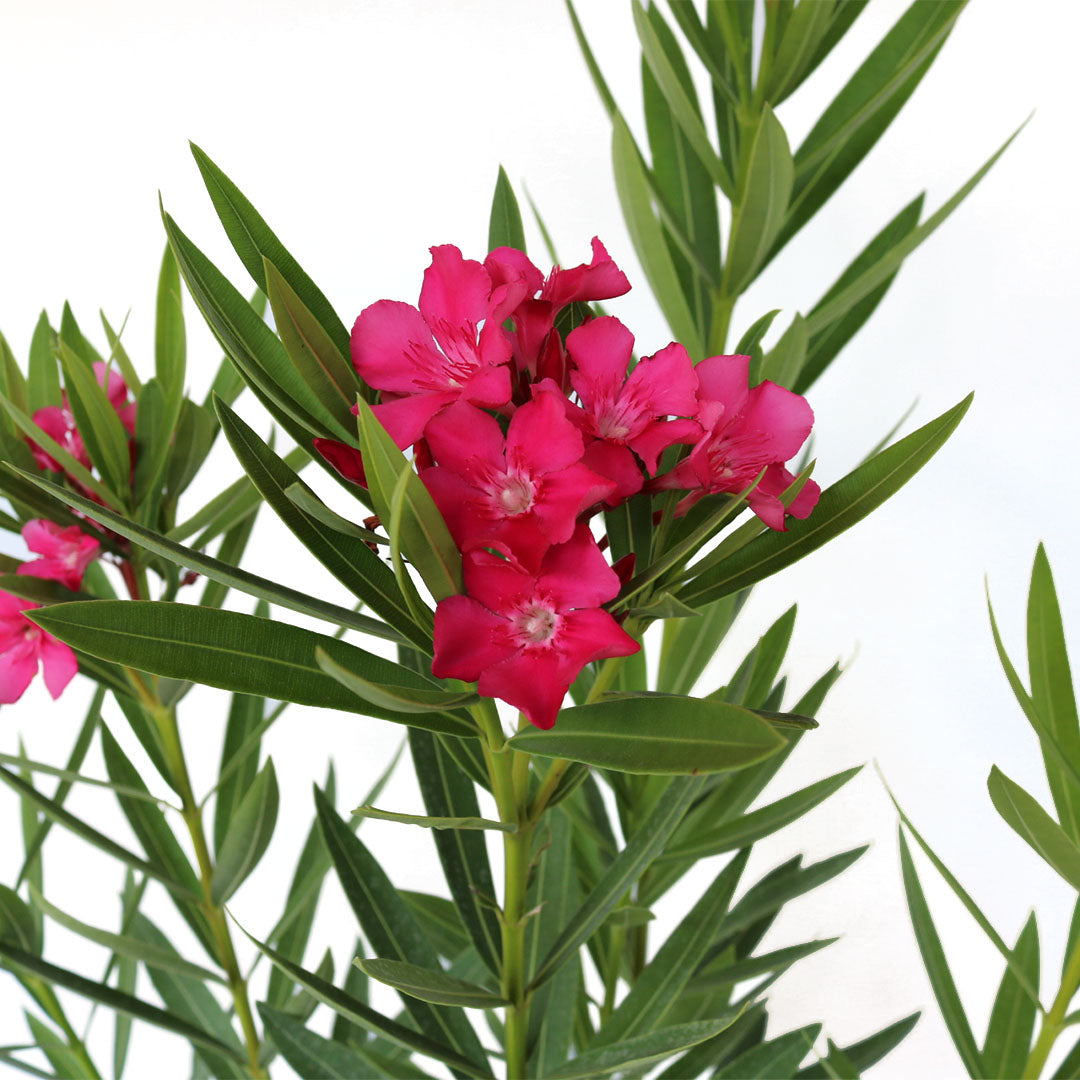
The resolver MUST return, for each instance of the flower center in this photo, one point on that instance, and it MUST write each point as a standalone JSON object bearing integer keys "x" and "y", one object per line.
{"x": 536, "y": 624}
{"x": 515, "y": 496}
{"x": 616, "y": 422}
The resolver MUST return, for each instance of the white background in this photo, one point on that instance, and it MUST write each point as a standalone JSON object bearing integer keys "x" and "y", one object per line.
{"x": 367, "y": 132}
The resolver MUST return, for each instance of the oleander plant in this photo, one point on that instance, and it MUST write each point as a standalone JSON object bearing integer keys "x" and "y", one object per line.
{"x": 540, "y": 530}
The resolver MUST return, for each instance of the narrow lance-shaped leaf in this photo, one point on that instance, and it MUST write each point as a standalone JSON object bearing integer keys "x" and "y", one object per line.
{"x": 505, "y": 228}
{"x": 431, "y": 985}
{"x": 43, "y": 385}
{"x": 247, "y": 837}
{"x": 1012, "y": 1019}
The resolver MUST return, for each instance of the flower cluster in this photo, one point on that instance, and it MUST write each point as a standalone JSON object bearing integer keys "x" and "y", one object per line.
{"x": 520, "y": 435}
{"x": 64, "y": 556}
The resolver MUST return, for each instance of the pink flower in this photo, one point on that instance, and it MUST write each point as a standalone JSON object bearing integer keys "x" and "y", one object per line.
{"x": 521, "y": 492}
{"x": 22, "y": 646}
{"x": 746, "y": 430}
{"x": 621, "y": 414}
{"x": 525, "y": 637}
{"x": 426, "y": 359}
{"x": 535, "y": 316}
{"x": 66, "y": 552}
{"x": 346, "y": 459}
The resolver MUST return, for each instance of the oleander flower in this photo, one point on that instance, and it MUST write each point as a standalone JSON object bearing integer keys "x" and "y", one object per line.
{"x": 65, "y": 553}
{"x": 521, "y": 492}
{"x": 524, "y": 637}
{"x": 536, "y": 349}
{"x": 452, "y": 348}
{"x": 23, "y": 647}
{"x": 746, "y": 429}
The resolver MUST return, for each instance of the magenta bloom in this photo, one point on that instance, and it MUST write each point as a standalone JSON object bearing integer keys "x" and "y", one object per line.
{"x": 22, "y": 646}
{"x": 58, "y": 421}
{"x": 423, "y": 360}
{"x": 535, "y": 315}
{"x": 66, "y": 553}
{"x": 746, "y": 430}
{"x": 520, "y": 493}
{"x": 621, "y": 414}
{"x": 525, "y": 637}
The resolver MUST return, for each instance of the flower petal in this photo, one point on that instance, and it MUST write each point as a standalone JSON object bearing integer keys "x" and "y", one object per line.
{"x": 406, "y": 417}
{"x": 618, "y": 465}
{"x": 391, "y": 343}
{"x": 463, "y": 435}
{"x": 58, "y": 665}
{"x": 666, "y": 381}
{"x": 576, "y": 575}
{"x": 786, "y": 418}
{"x": 540, "y": 438}
{"x": 468, "y": 639}
{"x": 499, "y": 584}
{"x": 531, "y": 680}
{"x": 591, "y": 634}
{"x": 600, "y": 350}
{"x": 601, "y": 279}
{"x": 723, "y": 379}
{"x": 347, "y": 460}
{"x": 661, "y": 434}
{"x": 17, "y": 668}
{"x": 456, "y": 291}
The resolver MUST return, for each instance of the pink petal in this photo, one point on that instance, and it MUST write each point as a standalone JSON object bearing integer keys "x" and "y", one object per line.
{"x": 530, "y": 680}
{"x": 462, "y": 435}
{"x": 500, "y": 585}
{"x": 667, "y": 381}
{"x": 565, "y": 494}
{"x": 806, "y": 500}
{"x": 468, "y": 639}
{"x": 661, "y": 434}
{"x": 600, "y": 350}
{"x": 551, "y": 366}
{"x": 51, "y": 570}
{"x": 618, "y": 465}
{"x": 777, "y": 480}
{"x": 58, "y": 665}
{"x": 389, "y": 338}
{"x": 17, "y": 668}
{"x": 457, "y": 502}
{"x": 116, "y": 388}
{"x": 769, "y": 508}
{"x": 490, "y": 386}
{"x": 785, "y": 417}
{"x": 347, "y": 460}
{"x": 540, "y": 438}
{"x": 724, "y": 379}
{"x": 576, "y": 575}
{"x": 591, "y": 634}
{"x": 506, "y": 264}
{"x": 11, "y": 606}
{"x": 455, "y": 291}
{"x": 406, "y": 417}
{"x": 46, "y": 537}
{"x": 600, "y": 280}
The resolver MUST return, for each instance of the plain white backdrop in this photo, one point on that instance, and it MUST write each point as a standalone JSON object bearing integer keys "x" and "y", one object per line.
{"x": 366, "y": 132}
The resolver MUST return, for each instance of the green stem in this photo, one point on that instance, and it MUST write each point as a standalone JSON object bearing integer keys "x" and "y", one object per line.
{"x": 1054, "y": 1021}
{"x": 215, "y": 916}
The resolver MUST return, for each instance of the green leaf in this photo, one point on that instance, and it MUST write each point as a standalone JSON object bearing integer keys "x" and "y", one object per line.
{"x": 216, "y": 570}
{"x": 937, "y": 967}
{"x": 762, "y": 202}
{"x": 124, "y": 945}
{"x": 659, "y": 986}
{"x": 882, "y": 270}
{"x": 632, "y": 185}
{"x": 448, "y": 793}
{"x": 400, "y": 699}
{"x": 425, "y": 538}
{"x": 118, "y": 353}
{"x": 824, "y": 346}
{"x": 726, "y": 972}
{"x": 17, "y": 923}
{"x": 840, "y": 506}
{"x": 655, "y": 734}
{"x": 440, "y": 921}
{"x": 1012, "y": 1020}
{"x": 117, "y": 1001}
{"x": 869, "y": 1051}
{"x": 253, "y": 241}
{"x": 358, "y": 1013}
{"x": 195, "y": 433}
{"x": 777, "y": 1057}
{"x": 170, "y": 339}
{"x": 43, "y": 385}
{"x": 306, "y": 499}
{"x": 590, "y": 62}
{"x": 1052, "y": 688}
{"x": 242, "y": 761}
{"x": 86, "y": 832}
{"x": 390, "y": 928}
{"x": 158, "y": 840}
{"x": 72, "y": 337}
{"x": 748, "y": 829}
{"x": 786, "y": 358}
{"x": 681, "y": 104}
{"x": 688, "y": 648}
{"x": 797, "y": 49}
{"x": 314, "y": 354}
{"x": 233, "y": 651}
{"x": 70, "y": 777}
{"x": 430, "y": 985}
{"x": 862, "y": 111}
{"x": 505, "y": 228}
{"x": 643, "y": 846}
{"x": 61, "y": 1056}
{"x": 247, "y": 837}
{"x": 640, "y": 1051}
{"x": 153, "y": 443}
{"x": 467, "y": 823}
{"x": 310, "y": 1054}
{"x": 1033, "y": 824}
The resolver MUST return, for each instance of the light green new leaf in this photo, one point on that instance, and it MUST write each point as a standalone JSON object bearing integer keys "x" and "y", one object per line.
{"x": 233, "y": 651}
{"x": 248, "y": 835}
{"x": 656, "y": 734}
{"x": 937, "y": 967}
{"x": 1012, "y": 1020}
{"x": 430, "y": 985}
{"x": 504, "y": 227}
{"x": 43, "y": 383}
{"x": 641, "y": 1051}
{"x": 170, "y": 340}
{"x": 797, "y": 49}
{"x": 1034, "y": 825}
{"x": 840, "y": 506}
{"x": 1052, "y": 689}
{"x": 424, "y": 538}
{"x": 761, "y": 204}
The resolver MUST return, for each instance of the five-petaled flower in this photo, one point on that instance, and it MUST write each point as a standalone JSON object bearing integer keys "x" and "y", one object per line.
{"x": 23, "y": 645}
{"x": 65, "y": 553}
{"x": 524, "y": 637}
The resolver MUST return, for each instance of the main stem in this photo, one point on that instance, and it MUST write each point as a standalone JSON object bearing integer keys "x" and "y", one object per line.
{"x": 215, "y": 916}
{"x": 1053, "y": 1021}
